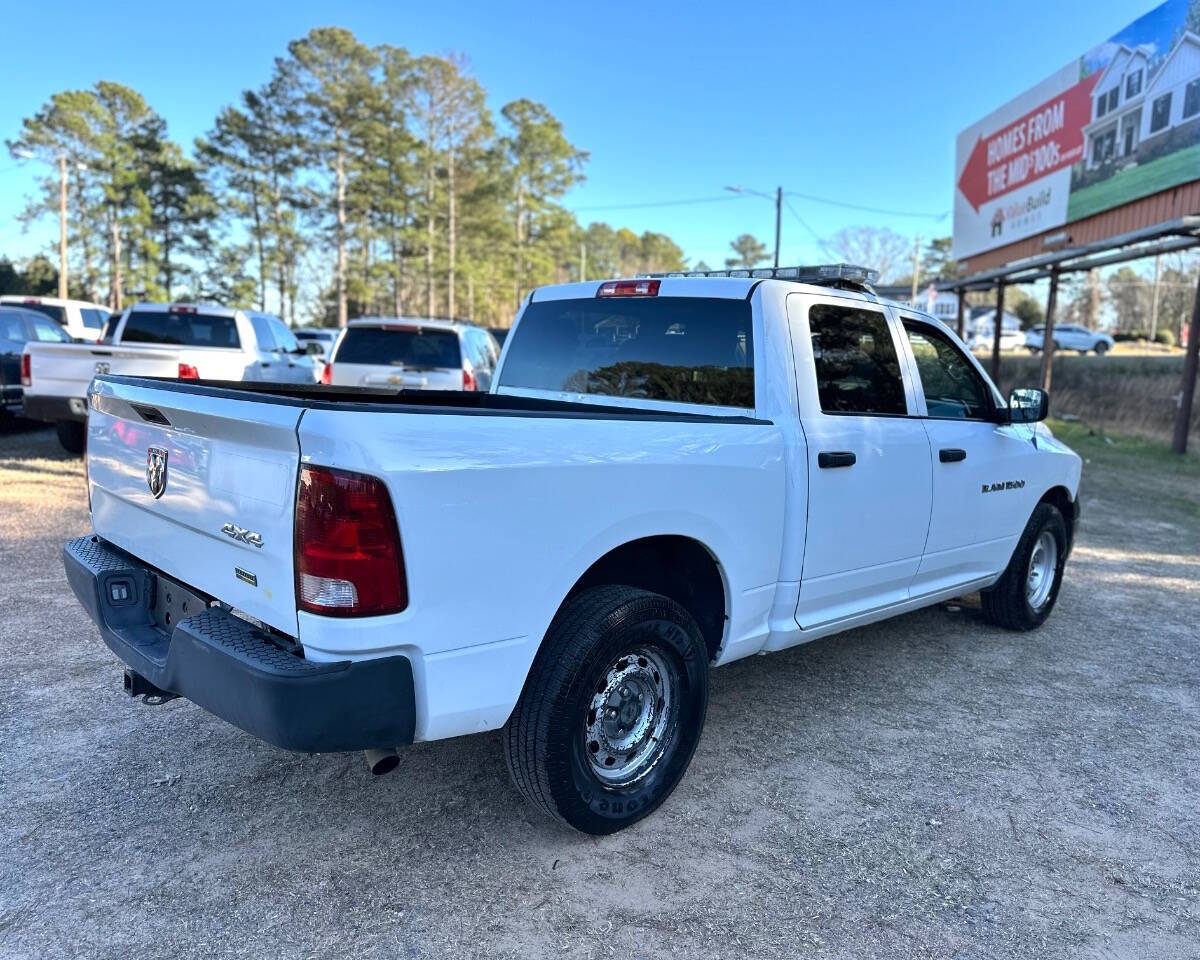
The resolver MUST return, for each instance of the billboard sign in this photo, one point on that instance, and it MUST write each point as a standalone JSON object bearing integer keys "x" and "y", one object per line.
{"x": 1119, "y": 123}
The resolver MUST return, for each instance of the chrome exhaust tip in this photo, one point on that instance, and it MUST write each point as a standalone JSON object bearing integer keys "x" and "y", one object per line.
{"x": 380, "y": 762}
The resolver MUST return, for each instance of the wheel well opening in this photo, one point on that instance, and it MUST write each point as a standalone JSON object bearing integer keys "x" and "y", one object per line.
{"x": 1060, "y": 498}
{"x": 674, "y": 566}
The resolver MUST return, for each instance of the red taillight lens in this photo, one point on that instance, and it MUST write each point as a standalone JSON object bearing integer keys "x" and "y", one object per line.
{"x": 188, "y": 372}
{"x": 629, "y": 288}
{"x": 327, "y": 375}
{"x": 349, "y": 562}
{"x": 26, "y": 370}
{"x": 469, "y": 381}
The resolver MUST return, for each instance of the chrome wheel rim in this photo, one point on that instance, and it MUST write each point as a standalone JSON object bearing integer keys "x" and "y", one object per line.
{"x": 631, "y": 716}
{"x": 1042, "y": 564}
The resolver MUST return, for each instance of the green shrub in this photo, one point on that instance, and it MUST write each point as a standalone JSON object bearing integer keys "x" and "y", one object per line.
{"x": 1165, "y": 337}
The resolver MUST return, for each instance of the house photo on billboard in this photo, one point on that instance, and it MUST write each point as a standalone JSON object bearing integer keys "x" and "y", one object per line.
{"x": 1144, "y": 108}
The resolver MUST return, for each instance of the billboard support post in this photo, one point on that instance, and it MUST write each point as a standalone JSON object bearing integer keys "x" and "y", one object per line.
{"x": 962, "y": 296}
{"x": 997, "y": 330}
{"x": 1048, "y": 331}
{"x": 1187, "y": 392}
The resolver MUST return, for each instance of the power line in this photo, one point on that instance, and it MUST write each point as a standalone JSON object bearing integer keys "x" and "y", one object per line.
{"x": 658, "y": 203}
{"x": 865, "y": 209}
{"x": 804, "y": 223}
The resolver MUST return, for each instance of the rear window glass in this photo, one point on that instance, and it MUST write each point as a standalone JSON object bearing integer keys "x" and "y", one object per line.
{"x": 180, "y": 329}
{"x": 413, "y": 347}
{"x": 681, "y": 349}
{"x": 57, "y": 314}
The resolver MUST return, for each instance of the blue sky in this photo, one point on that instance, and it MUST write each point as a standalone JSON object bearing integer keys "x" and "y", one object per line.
{"x": 853, "y": 101}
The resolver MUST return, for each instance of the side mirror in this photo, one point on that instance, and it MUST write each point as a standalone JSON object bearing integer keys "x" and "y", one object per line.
{"x": 1028, "y": 405}
{"x": 314, "y": 348}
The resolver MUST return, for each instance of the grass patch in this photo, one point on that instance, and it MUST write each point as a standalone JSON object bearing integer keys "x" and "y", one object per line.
{"x": 1135, "y": 182}
{"x": 1138, "y": 469}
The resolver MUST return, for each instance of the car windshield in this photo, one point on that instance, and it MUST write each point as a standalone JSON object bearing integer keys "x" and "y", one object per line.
{"x": 180, "y": 329}
{"x": 681, "y": 349}
{"x": 400, "y": 346}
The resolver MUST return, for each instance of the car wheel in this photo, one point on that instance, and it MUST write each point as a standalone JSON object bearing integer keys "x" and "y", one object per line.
{"x": 612, "y": 709}
{"x": 72, "y": 435}
{"x": 1026, "y": 593}
{"x": 1101, "y": 348}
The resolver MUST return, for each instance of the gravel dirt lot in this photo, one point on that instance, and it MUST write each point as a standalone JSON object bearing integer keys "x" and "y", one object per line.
{"x": 926, "y": 787}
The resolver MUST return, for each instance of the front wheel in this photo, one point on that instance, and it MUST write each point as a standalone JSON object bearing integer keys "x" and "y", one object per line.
{"x": 1024, "y": 596}
{"x": 612, "y": 709}
{"x": 71, "y": 435}
{"x": 1101, "y": 348}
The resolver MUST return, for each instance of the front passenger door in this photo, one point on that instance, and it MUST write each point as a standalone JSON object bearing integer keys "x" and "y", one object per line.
{"x": 980, "y": 467}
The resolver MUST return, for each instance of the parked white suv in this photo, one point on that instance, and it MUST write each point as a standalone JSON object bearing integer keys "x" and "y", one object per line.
{"x": 692, "y": 470}
{"x": 185, "y": 340}
{"x": 1070, "y": 336}
{"x": 81, "y": 319}
{"x": 412, "y": 354}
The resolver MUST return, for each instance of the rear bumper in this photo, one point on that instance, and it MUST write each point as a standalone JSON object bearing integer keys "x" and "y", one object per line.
{"x": 54, "y": 409}
{"x": 231, "y": 668}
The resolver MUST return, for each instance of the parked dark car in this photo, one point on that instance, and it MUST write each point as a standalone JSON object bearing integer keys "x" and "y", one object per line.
{"x": 500, "y": 333}
{"x": 17, "y": 327}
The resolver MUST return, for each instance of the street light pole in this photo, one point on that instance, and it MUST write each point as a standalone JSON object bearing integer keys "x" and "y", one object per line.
{"x": 778, "y": 219}
{"x": 778, "y": 198}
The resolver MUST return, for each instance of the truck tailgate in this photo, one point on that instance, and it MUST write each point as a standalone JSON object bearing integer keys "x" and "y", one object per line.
{"x": 66, "y": 369}
{"x": 221, "y": 521}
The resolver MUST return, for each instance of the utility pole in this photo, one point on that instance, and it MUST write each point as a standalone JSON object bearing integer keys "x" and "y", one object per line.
{"x": 1048, "y": 330}
{"x": 778, "y": 217}
{"x": 1187, "y": 392}
{"x": 916, "y": 269}
{"x": 1154, "y": 297}
{"x": 582, "y": 260}
{"x": 997, "y": 330}
{"x": 62, "y": 225}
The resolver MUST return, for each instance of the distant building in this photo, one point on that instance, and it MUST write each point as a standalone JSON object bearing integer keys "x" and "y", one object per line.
{"x": 945, "y": 302}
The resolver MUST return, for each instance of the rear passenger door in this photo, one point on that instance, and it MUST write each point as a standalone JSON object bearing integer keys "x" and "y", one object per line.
{"x": 973, "y": 528}
{"x": 869, "y": 472}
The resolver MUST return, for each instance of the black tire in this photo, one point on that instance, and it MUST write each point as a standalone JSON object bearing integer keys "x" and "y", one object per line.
{"x": 546, "y": 738}
{"x": 1007, "y": 604}
{"x": 1057, "y": 346}
{"x": 72, "y": 435}
{"x": 1101, "y": 348}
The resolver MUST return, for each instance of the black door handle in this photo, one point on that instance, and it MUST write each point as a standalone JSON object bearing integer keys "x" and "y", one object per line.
{"x": 837, "y": 458}
{"x": 951, "y": 455}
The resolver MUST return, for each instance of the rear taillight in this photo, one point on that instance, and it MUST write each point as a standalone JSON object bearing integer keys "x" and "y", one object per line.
{"x": 188, "y": 372}
{"x": 327, "y": 375}
{"x": 26, "y": 370}
{"x": 469, "y": 381}
{"x": 349, "y": 562}
{"x": 629, "y": 288}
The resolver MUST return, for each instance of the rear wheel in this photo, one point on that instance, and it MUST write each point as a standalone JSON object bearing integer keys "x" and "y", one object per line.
{"x": 1024, "y": 596}
{"x": 1101, "y": 348}
{"x": 612, "y": 709}
{"x": 71, "y": 435}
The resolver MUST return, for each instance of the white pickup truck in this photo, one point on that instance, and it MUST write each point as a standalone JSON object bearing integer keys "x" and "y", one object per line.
{"x": 181, "y": 340}
{"x": 667, "y": 474}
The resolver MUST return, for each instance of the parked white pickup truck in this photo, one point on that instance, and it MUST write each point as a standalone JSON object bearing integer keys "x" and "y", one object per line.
{"x": 79, "y": 318}
{"x": 182, "y": 340}
{"x": 667, "y": 474}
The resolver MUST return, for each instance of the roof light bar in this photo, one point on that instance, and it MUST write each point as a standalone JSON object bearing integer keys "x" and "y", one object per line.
{"x": 629, "y": 288}
{"x": 828, "y": 273}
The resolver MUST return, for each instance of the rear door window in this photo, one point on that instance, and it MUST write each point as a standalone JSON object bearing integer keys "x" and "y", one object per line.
{"x": 679, "y": 349}
{"x": 401, "y": 346}
{"x": 172, "y": 328}
{"x": 263, "y": 333}
{"x": 93, "y": 319}
{"x": 857, "y": 367}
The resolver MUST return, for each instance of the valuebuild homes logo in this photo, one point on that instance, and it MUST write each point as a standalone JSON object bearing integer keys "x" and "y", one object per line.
{"x": 1068, "y": 148}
